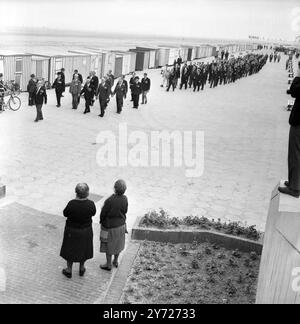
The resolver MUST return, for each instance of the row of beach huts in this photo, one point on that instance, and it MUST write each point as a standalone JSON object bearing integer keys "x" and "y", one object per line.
{"x": 45, "y": 64}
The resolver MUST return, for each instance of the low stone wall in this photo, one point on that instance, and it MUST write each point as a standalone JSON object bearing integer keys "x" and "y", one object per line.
{"x": 189, "y": 236}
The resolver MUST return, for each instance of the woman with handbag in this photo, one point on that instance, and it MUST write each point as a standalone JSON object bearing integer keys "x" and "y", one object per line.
{"x": 113, "y": 225}
{"x": 77, "y": 244}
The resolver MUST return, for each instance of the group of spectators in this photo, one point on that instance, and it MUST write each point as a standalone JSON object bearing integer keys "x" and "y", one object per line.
{"x": 221, "y": 71}
{"x": 77, "y": 245}
{"x": 91, "y": 89}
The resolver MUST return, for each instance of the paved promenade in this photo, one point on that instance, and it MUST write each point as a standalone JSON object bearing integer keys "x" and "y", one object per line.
{"x": 246, "y": 135}
{"x": 30, "y": 245}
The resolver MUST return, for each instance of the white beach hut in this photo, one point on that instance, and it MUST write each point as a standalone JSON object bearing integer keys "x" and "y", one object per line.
{"x": 16, "y": 66}
{"x": 162, "y": 56}
{"x": 152, "y": 55}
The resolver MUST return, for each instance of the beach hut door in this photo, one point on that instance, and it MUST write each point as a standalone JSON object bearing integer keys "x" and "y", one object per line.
{"x": 190, "y": 51}
{"x": 1, "y": 66}
{"x": 58, "y": 65}
{"x": 19, "y": 70}
{"x": 118, "y": 66}
{"x": 39, "y": 69}
{"x": 18, "y": 79}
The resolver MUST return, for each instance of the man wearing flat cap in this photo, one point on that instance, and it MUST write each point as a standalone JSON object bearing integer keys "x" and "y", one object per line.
{"x": 31, "y": 88}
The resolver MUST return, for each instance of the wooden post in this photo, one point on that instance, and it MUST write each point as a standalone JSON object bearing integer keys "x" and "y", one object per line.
{"x": 279, "y": 275}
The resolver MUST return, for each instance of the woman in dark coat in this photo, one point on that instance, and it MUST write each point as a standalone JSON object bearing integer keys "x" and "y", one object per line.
{"x": 113, "y": 225}
{"x": 77, "y": 244}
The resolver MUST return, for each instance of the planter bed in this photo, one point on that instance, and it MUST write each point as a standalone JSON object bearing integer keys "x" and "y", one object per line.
{"x": 159, "y": 227}
{"x": 197, "y": 273}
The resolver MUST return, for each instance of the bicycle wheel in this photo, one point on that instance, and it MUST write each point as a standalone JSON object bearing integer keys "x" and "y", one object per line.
{"x": 14, "y": 103}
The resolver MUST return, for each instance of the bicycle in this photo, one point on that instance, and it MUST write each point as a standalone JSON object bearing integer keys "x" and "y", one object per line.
{"x": 13, "y": 103}
{"x": 14, "y": 87}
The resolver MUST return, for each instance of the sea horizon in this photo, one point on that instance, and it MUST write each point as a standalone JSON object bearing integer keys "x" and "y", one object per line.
{"x": 35, "y": 39}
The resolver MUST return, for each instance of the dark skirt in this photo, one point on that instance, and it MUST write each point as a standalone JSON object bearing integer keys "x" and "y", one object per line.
{"x": 77, "y": 244}
{"x": 115, "y": 242}
{"x": 294, "y": 158}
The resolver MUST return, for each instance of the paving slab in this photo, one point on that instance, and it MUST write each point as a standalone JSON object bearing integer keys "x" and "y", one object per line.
{"x": 30, "y": 265}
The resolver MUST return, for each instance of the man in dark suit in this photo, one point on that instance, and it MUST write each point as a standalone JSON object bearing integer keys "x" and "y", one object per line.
{"x": 146, "y": 84}
{"x": 79, "y": 76}
{"x": 292, "y": 186}
{"x": 136, "y": 91}
{"x": 87, "y": 92}
{"x": 31, "y": 88}
{"x": 59, "y": 87}
{"x": 179, "y": 61}
{"x": 110, "y": 79}
{"x": 184, "y": 77}
{"x": 203, "y": 79}
{"x": 63, "y": 78}
{"x": 126, "y": 85}
{"x": 94, "y": 83}
{"x": 177, "y": 74}
{"x": 193, "y": 70}
{"x": 120, "y": 91}
{"x": 196, "y": 80}
{"x": 226, "y": 55}
{"x": 103, "y": 94}
{"x": 222, "y": 54}
{"x": 172, "y": 79}
{"x": 131, "y": 82}
{"x": 40, "y": 97}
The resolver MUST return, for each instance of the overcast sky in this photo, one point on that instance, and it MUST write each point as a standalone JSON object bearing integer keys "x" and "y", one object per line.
{"x": 189, "y": 18}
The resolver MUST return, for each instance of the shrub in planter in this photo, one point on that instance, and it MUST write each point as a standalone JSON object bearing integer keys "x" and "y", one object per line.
{"x": 161, "y": 219}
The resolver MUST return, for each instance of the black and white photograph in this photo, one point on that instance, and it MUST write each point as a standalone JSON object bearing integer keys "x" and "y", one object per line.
{"x": 150, "y": 154}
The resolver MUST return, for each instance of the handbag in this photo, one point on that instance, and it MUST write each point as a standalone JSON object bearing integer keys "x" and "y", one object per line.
{"x": 103, "y": 234}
